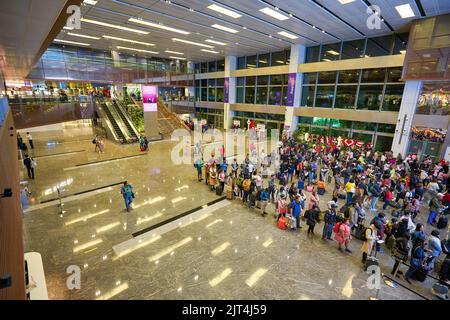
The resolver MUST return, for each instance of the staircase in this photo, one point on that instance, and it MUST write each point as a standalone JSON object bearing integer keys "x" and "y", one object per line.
{"x": 131, "y": 130}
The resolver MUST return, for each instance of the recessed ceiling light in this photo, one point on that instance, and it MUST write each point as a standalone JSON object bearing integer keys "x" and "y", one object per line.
{"x": 346, "y": 1}
{"x": 224, "y": 11}
{"x": 193, "y": 43}
{"x": 216, "y": 42}
{"x": 326, "y": 59}
{"x": 128, "y": 40}
{"x": 100, "y": 23}
{"x": 91, "y": 2}
{"x": 274, "y": 14}
{"x": 71, "y": 42}
{"x": 82, "y": 36}
{"x": 405, "y": 11}
{"x": 334, "y": 53}
{"x": 211, "y": 51}
{"x": 137, "y": 50}
{"x": 179, "y": 58}
{"x": 218, "y": 26}
{"x": 68, "y": 28}
{"x": 159, "y": 26}
{"x": 174, "y": 52}
{"x": 287, "y": 35}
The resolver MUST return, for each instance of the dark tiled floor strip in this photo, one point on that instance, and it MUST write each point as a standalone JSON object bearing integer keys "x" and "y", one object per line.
{"x": 138, "y": 233}
{"x": 88, "y": 163}
{"x": 82, "y": 192}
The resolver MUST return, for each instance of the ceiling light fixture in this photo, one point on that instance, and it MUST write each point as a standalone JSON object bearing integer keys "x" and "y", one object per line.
{"x": 91, "y": 2}
{"x": 211, "y": 51}
{"x": 216, "y": 42}
{"x": 405, "y": 10}
{"x": 193, "y": 43}
{"x": 224, "y": 11}
{"x": 156, "y": 25}
{"x": 178, "y": 58}
{"x": 334, "y": 53}
{"x": 274, "y": 14}
{"x": 220, "y": 27}
{"x": 287, "y": 35}
{"x": 346, "y": 1}
{"x": 128, "y": 40}
{"x": 174, "y": 52}
{"x": 104, "y": 24}
{"x": 68, "y": 28}
{"x": 71, "y": 42}
{"x": 137, "y": 50}
{"x": 82, "y": 36}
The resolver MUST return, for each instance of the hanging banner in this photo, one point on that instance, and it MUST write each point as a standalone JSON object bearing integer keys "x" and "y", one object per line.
{"x": 150, "y": 98}
{"x": 226, "y": 90}
{"x": 291, "y": 89}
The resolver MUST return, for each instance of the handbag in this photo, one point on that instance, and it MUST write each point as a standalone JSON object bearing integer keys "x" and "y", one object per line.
{"x": 132, "y": 195}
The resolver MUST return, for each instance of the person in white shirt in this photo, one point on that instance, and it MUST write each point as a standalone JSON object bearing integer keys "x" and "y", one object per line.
{"x": 30, "y": 140}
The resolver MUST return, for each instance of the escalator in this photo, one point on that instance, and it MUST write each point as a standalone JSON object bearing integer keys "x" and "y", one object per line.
{"x": 132, "y": 132}
{"x": 118, "y": 132}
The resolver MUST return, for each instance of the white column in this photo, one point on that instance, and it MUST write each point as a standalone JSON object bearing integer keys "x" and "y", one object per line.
{"x": 230, "y": 65}
{"x": 295, "y": 80}
{"x": 405, "y": 117}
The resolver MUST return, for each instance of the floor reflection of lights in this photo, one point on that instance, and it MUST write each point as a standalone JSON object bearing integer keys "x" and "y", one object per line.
{"x": 255, "y": 276}
{"x": 220, "y": 248}
{"x": 113, "y": 292}
{"x": 108, "y": 227}
{"x": 169, "y": 249}
{"x": 87, "y": 245}
{"x": 224, "y": 274}
{"x": 86, "y": 217}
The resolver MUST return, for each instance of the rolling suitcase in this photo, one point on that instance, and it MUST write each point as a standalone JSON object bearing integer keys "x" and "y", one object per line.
{"x": 359, "y": 232}
{"x": 219, "y": 190}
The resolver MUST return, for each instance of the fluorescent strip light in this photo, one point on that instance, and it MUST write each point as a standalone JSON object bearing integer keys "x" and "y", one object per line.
{"x": 91, "y": 2}
{"x": 175, "y": 52}
{"x": 255, "y": 277}
{"x": 326, "y": 60}
{"x": 334, "y": 53}
{"x": 137, "y": 50}
{"x": 220, "y": 27}
{"x": 104, "y": 24}
{"x": 178, "y": 58}
{"x": 279, "y": 61}
{"x": 82, "y": 36}
{"x": 405, "y": 11}
{"x": 156, "y": 25}
{"x": 67, "y": 28}
{"x": 72, "y": 42}
{"x": 193, "y": 43}
{"x": 216, "y": 42}
{"x": 287, "y": 35}
{"x": 129, "y": 40}
{"x": 346, "y": 1}
{"x": 225, "y": 273}
{"x": 274, "y": 14}
{"x": 211, "y": 51}
{"x": 224, "y": 11}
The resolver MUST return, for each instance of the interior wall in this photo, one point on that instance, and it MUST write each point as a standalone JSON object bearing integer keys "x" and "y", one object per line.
{"x": 11, "y": 241}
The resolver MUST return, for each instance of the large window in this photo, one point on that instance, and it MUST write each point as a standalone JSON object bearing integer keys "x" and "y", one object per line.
{"x": 212, "y": 66}
{"x": 308, "y": 96}
{"x": 275, "y": 94}
{"x": 330, "y": 52}
{"x": 373, "y": 75}
{"x": 392, "y": 97}
{"x": 345, "y": 97}
{"x": 240, "y": 83}
{"x": 251, "y": 62}
{"x": 312, "y": 54}
{"x": 263, "y": 60}
{"x": 394, "y": 74}
{"x": 353, "y": 49}
{"x": 241, "y": 63}
{"x": 261, "y": 90}
{"x": 309, "y": 78}
{"x": 278, "y": 58}
{"x": 221, "y": 65}
{"x": 250, "y": 90}
{"x": 327, "y": 77}
{"x": 370, "y": 97}
{"x": 324, "y": 96}
{"x": 400, "y": 43}
{"x": 380, "y": 46}
{"x": 349, "y": 76}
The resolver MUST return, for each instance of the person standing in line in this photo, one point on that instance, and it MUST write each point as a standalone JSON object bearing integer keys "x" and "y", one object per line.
{"x": 312, "y": 217}
{"x": 367, "y": 247}
{"x": 101, "y": 145}
{"x": 417, "y": 260}
{"x": 295, "y": 210}
{"x": 342, "y": 235}
{"x": 95, "y": 142}
{"x": 30, "y": 140}
{"x": 198, "y": 165}
{"x": 30, "y": 165}
{"x": 264, "y": 200}
{"x": 128, "y": 195}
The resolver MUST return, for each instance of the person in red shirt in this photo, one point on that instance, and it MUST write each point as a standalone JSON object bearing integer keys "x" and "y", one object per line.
{"x": 446, "y": 199}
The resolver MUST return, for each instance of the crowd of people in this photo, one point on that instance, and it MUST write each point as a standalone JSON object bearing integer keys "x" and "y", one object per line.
{"x": 365, "y": 184}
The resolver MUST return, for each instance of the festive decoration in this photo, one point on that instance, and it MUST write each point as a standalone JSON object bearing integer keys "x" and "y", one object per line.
{"x": 349, "y": 142}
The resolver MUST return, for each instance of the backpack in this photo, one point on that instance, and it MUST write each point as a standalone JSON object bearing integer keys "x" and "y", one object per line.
{"x": 442, "y": 222}
{"x": 363, "y": 235}
{"x": 336, "y": 227}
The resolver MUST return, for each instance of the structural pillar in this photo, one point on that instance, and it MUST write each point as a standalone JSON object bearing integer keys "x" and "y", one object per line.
{"x": 295, "y": 80}
{"x": 229, "y": 97}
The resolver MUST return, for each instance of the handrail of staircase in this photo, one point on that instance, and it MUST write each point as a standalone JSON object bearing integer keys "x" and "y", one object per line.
{"x": 171, "y": 115}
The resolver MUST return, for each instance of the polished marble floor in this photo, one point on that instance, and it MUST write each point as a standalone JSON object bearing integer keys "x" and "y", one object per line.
{"x": 224, "y": 252}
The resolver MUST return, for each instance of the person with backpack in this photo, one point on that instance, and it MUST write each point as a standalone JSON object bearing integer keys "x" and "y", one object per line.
{"x": 30, "y": 164}
{"x": 400, "y": 252}
{"x": 281, "y": 206}
{"x": 376, "y": 192}
{"x": 418, "y": 236}
{"x": 330, "y": 220}
{"x": 272, "y": 188}
{"x": 199, "y": 165}
{"x": 128, "y": 195}
{"x": 264, "y": 200}
{"x": 246, "y": 188}
{"x": 417, "y": 261}
{"x": 369, "y": 237}
{"x": 312, "y": 217}
{"x": 342, "y": 235}
{"x": 240, "y": 189}
{"x": 295, "y": 210}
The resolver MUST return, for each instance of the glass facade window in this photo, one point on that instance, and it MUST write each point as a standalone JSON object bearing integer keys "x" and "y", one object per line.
{"x": 219, "y": 94}
{"x": 278, "y": 58}
{"x": 330, "y": 52}
{"x": 323, "y": 122}
{"x": 386, "y": 128}
{"x": 392, "y": 97}
{"x": 240, "y": 95}
{"x": 383, "y": 143}
{"x": 394, "y": 74}
{"x": 204, "y": 82}
{"x": 307, "y": 96}
{"x": 373, "y": 75}
{"x": 362, "y": 137}
{"x": 240, "y": 81}
{"x": 320, "y": 131}
{"x": 275, "y": 94}
{"x": 261, "y": 95}
{"x": 221, "y": 65}
{"x": 211, "y": 94}
{"x": 312, "y": 54}
{"x": 400, "y": 43}
{"x": 345, "y": 97}
{"x": 250, "y": 95}
{"x": 327, "y": 77}
{"x": 241, "y": 63}
{"x": 341, "y": 124}
{"x": 211, "y": 83}
{"x": 369, "y": 97}
{"x": 204, "y": 67}
{"x": 204, "y": 96}
{"x": 309, "y": 78}
{"x": 263, "y": 80}
{"x": 349, "y": 76}
{"x": 277, "y": 80}
{"x": 212, "y": 66}
{"x": 353, "y": 49}
{"x": 364, "y": 126}
{"x": 250, "y": 81}
{"x": 251, "y": 62}
{"x": 324, "y": 97}
{"x": 219, "y": 82}
{"x": 263, "y": 60}
{"x": 380, "y": 46}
